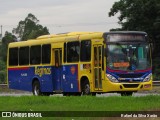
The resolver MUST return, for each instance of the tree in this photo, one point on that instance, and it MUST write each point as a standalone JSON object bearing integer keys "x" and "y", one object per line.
{"x": 8, "y": 37}
{"x": 3, "y": 72}
{"x": 29, "y": 28}
{"x": 140, "y": 15}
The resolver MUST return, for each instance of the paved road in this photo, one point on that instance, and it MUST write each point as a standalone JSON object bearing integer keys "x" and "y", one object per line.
{"x": 102, "y": 95}
{"x": 8, "y": 92}
{"x": 155, "y": 91}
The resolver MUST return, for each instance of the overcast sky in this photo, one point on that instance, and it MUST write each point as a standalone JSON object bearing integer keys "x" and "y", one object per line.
{"x": 60, "y": 15}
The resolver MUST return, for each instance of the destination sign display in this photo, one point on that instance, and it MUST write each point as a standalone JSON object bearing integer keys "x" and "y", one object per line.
{"x": 125, "y": 37}
{"x": 122, "y": 64}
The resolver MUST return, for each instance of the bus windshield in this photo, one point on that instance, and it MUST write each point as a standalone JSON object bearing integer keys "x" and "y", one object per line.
{"x": 128, "y": 57}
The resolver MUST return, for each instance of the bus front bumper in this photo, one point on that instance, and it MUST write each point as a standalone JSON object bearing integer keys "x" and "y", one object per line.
{"x": 134, "y": 86}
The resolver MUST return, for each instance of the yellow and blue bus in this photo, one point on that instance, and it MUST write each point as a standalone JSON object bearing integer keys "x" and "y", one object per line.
{"x": 81, "y": 63}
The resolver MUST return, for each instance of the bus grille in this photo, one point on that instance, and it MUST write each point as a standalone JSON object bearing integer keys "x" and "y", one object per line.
{"x": 130, "y": 75}
{"x": 130, "y": 85}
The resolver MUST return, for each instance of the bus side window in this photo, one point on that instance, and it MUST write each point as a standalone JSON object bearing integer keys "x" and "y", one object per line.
{"x": 35, "y": 55}
{"x": 46, "y": 54}
{"x": 85, "y": 50}
{"x": 73, "y": 51}
{"x": 23, "y": 55}
{"x": 13, "y": 56}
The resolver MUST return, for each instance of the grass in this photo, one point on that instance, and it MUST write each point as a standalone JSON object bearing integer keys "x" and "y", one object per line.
{"x": 84, "y": 103}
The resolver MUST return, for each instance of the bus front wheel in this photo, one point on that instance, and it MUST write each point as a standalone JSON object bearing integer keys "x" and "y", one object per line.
{"x": 86, "y": 89}
{"x": 126, "y": 93}
{"x": 36, "y": 88}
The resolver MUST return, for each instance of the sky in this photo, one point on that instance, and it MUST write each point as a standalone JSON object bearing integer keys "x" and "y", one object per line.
{"x": 60, "y": 16}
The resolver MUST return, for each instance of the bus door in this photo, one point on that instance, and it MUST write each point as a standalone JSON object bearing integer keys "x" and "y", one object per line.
{"x": 98, "y": 67}
{"x": 57, "y": 73}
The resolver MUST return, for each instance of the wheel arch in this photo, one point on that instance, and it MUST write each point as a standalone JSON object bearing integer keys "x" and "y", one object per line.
{"x": 83, "y": 80}
{"x": 35, "y": 79}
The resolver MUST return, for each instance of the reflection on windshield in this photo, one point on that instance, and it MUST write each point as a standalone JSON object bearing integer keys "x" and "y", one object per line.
{"x": 128, "y": 57}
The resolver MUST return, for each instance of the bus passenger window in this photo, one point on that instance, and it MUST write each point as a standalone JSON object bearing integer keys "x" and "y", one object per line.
{"x": 24, "y": 56}
{"x": 86, "y": 50}
{"x": 13, "y": 56}
{"x": 35, "y": 55}
{"x": 46, "y": 54}
{"x": 73, "y": 51}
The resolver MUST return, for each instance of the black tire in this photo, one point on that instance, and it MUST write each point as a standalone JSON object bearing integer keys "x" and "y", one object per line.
{"x": 126, "y": 93}
{"x": 46, "y": 94}
{"x": 78, "y": 94}
{"x": 71, "y": 94}
{"x": 86, "y": 88}
{"x": 66, "y": 94}
{"x": 93, "y": 94}
{"x": 36, "y": 88}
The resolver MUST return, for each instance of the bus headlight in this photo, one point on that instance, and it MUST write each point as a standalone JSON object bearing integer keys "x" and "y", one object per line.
{"x": 148, "y": 78}
{"x": 111, "y": 78}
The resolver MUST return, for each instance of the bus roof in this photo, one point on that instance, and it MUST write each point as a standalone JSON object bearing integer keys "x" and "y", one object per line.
{"x": 69, "y": 34}
{"x": 55, "y": 38}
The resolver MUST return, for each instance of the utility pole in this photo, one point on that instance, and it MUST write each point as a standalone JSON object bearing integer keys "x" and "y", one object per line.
{"x": 1, "y": 31}
{"x": 1, "y": 36}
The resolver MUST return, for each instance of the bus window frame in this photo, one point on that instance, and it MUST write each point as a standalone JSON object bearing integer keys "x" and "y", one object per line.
{"x": 82, "y": 52}
{"x": 19, "y": 49}
{"x": 31, "y": 59}
{"x": 67, "y": 55}
{"x": 42, "y": 54}
{"x": 14, "y": 60}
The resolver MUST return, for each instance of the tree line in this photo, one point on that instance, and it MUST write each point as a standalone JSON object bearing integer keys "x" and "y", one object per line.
{"x": 29, "y": 28}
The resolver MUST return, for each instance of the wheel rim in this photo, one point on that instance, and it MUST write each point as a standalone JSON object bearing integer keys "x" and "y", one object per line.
{"x": 36, "y": 90}
{"x": 87, "y": 89}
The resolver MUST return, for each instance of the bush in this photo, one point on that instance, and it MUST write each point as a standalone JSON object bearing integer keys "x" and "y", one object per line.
{"x": 3, "y": 72}
{"x": 156, "y": 69}
{"x": 3, "y": 77}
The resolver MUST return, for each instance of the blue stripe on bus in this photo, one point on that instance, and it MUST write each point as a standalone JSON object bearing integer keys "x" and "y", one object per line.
{"x": 51, "y": 78}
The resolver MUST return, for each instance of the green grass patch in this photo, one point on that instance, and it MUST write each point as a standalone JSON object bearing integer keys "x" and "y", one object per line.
{"x": 84, "y": 103}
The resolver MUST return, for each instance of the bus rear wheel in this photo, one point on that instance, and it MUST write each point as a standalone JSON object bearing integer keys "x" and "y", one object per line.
{"x": 36, "y": 88}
